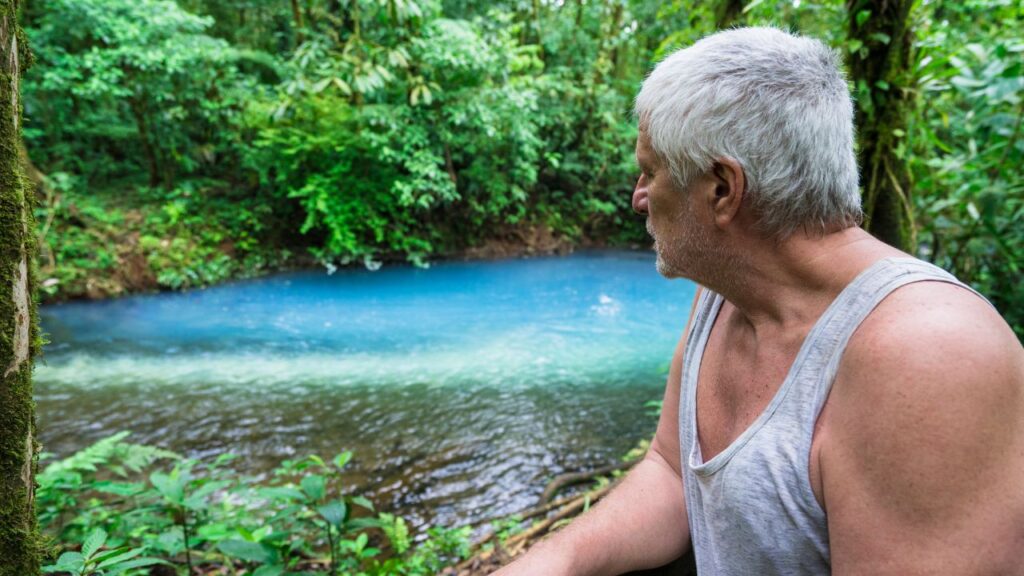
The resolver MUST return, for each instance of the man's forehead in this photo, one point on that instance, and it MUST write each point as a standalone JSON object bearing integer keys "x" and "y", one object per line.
{"x": 643, "y": 145}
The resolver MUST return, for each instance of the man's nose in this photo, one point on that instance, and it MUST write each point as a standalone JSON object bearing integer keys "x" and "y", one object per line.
{"x": 640, "y": 196}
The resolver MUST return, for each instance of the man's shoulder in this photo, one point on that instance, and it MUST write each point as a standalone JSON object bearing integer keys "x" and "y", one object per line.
{"x": 930, "y": 325}
{"x": 931, "y": 344}
{"x": 932, "y": 375}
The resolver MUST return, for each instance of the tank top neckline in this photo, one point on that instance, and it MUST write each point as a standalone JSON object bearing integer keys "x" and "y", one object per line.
{"x": 696, "y": 461}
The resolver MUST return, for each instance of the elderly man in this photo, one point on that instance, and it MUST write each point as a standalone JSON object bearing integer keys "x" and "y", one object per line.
{"x": 834, "y": 405}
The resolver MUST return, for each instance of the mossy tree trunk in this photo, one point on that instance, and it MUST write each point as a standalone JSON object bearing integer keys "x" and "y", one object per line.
{"x": 728, "y": 13}
{"x": 881, "y": 44}
{"x": 297, "y": 17}
{"x": 19, "y": 548}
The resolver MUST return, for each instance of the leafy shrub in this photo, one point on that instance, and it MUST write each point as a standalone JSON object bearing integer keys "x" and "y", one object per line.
{"x": 969, "y": 149}
{"x": 118, "y": 507}
{"x": 124, "y": 87}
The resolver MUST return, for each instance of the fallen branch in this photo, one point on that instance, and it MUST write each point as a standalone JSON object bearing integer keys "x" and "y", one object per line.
{"x": 563, "y": 480}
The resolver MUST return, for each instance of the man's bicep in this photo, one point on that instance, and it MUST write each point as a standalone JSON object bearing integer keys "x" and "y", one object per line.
{"x": 922, "y": 462}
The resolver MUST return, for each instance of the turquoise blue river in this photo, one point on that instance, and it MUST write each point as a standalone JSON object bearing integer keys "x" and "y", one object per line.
{"x": 461, "y": 388}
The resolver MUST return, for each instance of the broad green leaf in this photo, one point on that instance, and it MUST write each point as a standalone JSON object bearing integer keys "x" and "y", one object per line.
{"x": 752, "y": 5}
{"x": 363, "y": 501}
{"x": 315, "y": 486}
{"x": 122, "y": 557}
{"x": 68, "y": 562}
{"x": 109, "y": 553}
{"x": 136, "y": 563}
{"x": 342, "y": 459}
{"x": 119, "y": 488}
{"x": 319, "y": 86}
{"x": 170, "y": 488}
{"x": 281, "y": 493}
{"x": 243, "y": 550}
{"x": 334, "y": 512}
{"x": 93, "y": 542}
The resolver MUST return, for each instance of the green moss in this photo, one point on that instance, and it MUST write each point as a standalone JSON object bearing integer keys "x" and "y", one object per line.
{"x": 884, "y": 75}
{"x": 19, "y": 541}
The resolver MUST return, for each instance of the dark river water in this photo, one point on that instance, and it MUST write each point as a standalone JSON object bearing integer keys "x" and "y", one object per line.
{"x": 461, "y": 388}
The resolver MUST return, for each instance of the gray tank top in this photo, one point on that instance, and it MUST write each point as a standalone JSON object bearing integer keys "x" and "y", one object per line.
{"x": 751, "y": 509}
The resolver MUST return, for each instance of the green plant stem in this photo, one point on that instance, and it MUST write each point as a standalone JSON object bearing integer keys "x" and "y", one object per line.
{"x": 330, "y": 544}
{"x": 184, "y": 531}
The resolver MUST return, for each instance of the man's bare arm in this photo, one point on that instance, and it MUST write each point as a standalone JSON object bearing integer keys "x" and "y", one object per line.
{"x": 923, "y": 456}
{"x": 641, "y": 524}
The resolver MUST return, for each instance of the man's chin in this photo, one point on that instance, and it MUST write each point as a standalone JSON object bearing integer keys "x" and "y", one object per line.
{"x": 666, "y": 270}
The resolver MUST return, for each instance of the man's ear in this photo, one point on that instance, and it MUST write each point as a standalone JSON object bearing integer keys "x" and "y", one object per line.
{"x": 729, "y": 188}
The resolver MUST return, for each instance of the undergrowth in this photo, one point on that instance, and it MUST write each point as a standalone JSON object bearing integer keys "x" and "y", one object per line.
{"x": 118, "y": 508}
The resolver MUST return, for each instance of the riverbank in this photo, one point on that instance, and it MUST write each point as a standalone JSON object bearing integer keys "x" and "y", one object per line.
{"x": 112, "y": 244}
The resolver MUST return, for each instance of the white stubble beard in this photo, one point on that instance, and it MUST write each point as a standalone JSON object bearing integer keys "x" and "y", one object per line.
{"x": 694, "y": 243}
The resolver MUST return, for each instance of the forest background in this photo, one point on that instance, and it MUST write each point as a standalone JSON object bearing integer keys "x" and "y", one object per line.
{"x": 179, "y": 144}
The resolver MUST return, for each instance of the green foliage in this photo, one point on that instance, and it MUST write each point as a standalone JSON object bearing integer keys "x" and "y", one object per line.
{"x": 967, "y": 146}
{"x": 216, "y": 138}
{"x": 507, "y": 528}
{"x": 395, "y": 131}
{"x": 126, "y": 87}
{"x": 93, "y": 561}
{"x": 115, "y": 510}
{"x": 194, "y": 235}
{"x": 404, "y": 149}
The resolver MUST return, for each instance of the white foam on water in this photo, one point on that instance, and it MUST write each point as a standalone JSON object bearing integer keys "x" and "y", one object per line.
{"x": 528, "y": 357}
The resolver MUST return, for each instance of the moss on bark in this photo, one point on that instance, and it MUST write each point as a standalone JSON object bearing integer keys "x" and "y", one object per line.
{"x": 728, "y": 13}
{"x": 19, "y": 333}
{"x": 882, "y": 43}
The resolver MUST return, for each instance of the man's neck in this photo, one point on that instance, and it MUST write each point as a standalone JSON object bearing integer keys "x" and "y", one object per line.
{"x": 788, "y": 285}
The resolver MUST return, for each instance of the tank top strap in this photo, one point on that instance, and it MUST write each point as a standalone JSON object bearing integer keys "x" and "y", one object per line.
{"x": 833, "y": 332}
{"x": 704, "y": 315}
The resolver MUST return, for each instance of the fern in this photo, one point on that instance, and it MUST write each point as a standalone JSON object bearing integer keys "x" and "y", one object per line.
{"x": 111, "y": 453}
{"x": 64, "y": 481}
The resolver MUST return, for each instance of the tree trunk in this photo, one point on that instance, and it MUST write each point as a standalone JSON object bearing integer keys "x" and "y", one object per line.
{"x": 538, "y": 28}
{"x": 297, "y": 17}
{"x": 881, "y": 42}
{"x": 19, "y": 541}
{"x": 152, "y": 163}
{"x": 728, "y": 13}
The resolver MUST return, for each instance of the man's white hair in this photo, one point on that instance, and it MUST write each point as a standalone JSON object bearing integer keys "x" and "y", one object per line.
{"x": 776, "y": 103}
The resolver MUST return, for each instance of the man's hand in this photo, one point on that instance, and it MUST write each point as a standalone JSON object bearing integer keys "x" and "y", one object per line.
{"x": 641, "y": 524}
